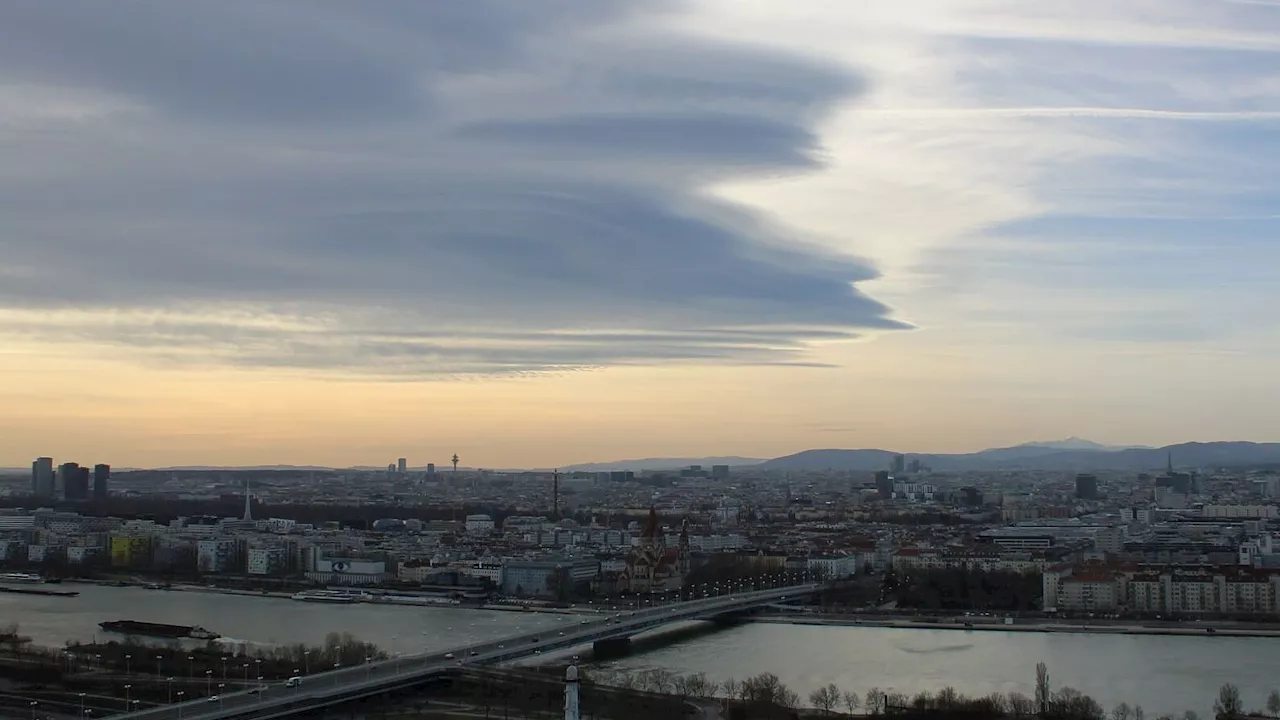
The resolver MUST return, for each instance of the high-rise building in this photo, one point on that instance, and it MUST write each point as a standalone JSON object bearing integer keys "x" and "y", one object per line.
{"x": 67, "y": 475}
{"x": 1087, "y": 487}
{"x": 431, "y": 472}
{"x": 884, "y": 485}
{"x": 101, "y": 476}
{"x": 42, "y": 478}
{"x": 720, "y": 472}
{"x": 899, "y": 464}
{"x": 75, "y": 482}
{"x": 402, "y": 466}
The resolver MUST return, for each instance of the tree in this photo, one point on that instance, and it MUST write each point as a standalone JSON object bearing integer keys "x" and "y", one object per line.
{"x": 1121, "y": 712}
{"x": 1042, "y": 688}
{"x": 1020, "y": 705}
{"x": 874, "y": 701}
{"x": 1139, "y": 713}
{"x": 1228, "y": 704}
{"x": 730, "y": 688}
{"x": 1273, "y": 703}
{"x": 851, "y": 701}
{"x": 825, "y": 698}
{"x": 766, "y": 690}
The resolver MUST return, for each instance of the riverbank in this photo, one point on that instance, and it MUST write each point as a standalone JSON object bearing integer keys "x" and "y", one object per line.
{"x": 288, "y": 595}
{"x": 1198, "y": 629}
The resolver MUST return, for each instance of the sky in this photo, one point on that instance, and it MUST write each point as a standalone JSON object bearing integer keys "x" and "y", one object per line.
{"x": 542, "y": 233}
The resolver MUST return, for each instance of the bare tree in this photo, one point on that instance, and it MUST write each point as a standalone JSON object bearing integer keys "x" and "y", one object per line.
{"x": 1228, "y": 704}
{"x": 874, "y": 701}
{"x": 1273, "y": 703}
{"x": 851, "y": 701}
{"x": 729, "y": 687}
{"x": 1042, "y": 688}
{"x": 1139, "y": 713}
{"x": 825, "y": 698}
{"x": 1020, "y": 705}
{"x": 1121, "y": 712}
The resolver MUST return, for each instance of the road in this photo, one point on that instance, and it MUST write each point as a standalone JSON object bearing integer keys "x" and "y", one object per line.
{"x": 348, "y": 683}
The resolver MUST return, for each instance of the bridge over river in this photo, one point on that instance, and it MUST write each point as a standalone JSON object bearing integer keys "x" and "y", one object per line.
{"x": 341, "y": 685}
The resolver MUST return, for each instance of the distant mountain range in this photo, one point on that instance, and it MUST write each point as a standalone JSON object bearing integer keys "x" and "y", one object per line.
{"x": 1072, "y": 454}
{"x": 662, "y": 463}
{"x": 1075, "y": 443}
{"x": 1076, "y": 455}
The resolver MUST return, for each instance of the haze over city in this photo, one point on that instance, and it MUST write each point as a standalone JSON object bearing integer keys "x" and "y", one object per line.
{"x": 542, "y": 233}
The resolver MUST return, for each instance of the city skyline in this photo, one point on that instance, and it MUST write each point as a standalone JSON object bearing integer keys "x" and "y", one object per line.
{"x": 532, "y": 234}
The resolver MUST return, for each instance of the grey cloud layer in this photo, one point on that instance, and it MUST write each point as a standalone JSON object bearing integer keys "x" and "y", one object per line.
{"x": 430, "y": 186}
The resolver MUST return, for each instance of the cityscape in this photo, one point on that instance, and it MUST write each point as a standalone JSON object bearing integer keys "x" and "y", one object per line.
{"x": 1176, "y": 552}
{"x": 639, "y": 360}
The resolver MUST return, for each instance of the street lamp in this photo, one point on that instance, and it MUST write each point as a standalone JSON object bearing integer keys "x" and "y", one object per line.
{"x": 224, "y": 667}
{"x": 170, "y": 679}
{"x": 208, "y": 682}
{"x": 181, "y": 694}
{"x": 221, "y": 691}
{"x": 191, "y": 666}
{"x": 33, "y": 709}
{"x": 306, "y": 662}
{"x": 127, "y": 660}
{"x": 126, "y": 697}
{"x": 81, "y": 704}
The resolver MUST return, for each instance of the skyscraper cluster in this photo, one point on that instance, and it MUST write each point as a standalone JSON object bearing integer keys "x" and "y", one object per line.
{"x": 74, "y": 481}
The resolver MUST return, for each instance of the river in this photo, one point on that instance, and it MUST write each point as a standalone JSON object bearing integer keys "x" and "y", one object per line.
{"x": 1164, "y": 674}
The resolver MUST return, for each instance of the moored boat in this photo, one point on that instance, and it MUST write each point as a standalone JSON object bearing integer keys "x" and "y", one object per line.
{"x": 337, "y": 597}
{"x": 150, "y": 629}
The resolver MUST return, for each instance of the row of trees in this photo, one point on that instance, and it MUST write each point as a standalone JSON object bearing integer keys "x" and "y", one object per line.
{"x": 765, "y": 695}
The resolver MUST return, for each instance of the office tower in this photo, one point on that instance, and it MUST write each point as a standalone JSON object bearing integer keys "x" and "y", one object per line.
{"x": 899, "y": 464}
{"x": 884, "y": 485}
{"x": 42, "y": 478}
{"x": 402, "y": 466}
{"x": 1087, "y": 487}
{"x": 720, "y": 472}
{"x": 67, "y": 474}
{"x": 101, "y": 476}
{"x": 75, "y": 482}
{"x": 431, "y": 472}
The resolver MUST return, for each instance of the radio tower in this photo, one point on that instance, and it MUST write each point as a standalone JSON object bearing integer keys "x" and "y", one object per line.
{"x": 248, "y": 514}
{"x": 455, "y": 463}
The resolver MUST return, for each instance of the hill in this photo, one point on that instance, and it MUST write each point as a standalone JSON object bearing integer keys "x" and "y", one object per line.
{"x": 1043, "y": 457}
{"x": 661, "y": 463}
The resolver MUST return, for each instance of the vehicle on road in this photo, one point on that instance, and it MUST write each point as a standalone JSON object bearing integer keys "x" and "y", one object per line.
{"x": 448, "y": 656}
{"x": 294, "y": 681}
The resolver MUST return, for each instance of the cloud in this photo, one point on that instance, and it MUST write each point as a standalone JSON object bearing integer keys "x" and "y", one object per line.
{"x": 992, "y": 128}
{"x": 408, "y": 188}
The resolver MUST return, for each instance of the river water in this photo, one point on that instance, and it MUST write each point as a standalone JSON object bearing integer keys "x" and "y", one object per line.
{"x": 1164, "y": 674}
